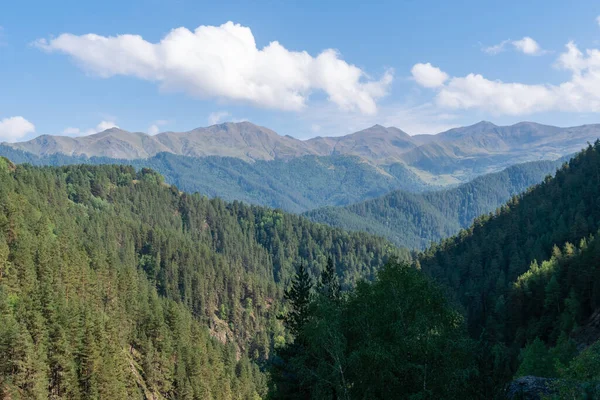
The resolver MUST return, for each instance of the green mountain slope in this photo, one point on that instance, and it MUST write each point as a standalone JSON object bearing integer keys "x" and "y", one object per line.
{"x": 416, "y": 220}
{"x": 296, "y": 185}
{"x": 115, "y": 285}
{"x": 500, "y": 247}
{"x": 510, "y": 299}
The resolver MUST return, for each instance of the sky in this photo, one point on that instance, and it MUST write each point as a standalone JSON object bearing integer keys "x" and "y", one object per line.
{"x": 301, "y": 68}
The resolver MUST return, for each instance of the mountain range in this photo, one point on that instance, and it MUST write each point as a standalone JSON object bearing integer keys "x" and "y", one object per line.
{"x": 449, "y": 157}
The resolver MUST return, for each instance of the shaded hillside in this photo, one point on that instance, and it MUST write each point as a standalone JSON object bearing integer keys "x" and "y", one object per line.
{"x": 480, "y": 262}
{"x": 115, "y": 285}
{"x": 416, "y": 220}
{"x": 296, "y": 185}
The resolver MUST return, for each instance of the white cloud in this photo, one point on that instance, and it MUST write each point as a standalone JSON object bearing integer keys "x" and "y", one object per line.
{"x": 497, "y": 48}
{"x": 102, "y": 126}
{"x": 526, "y": 45}
{"x": 155, "y": 127}
{"x": 428, "y": 75}
{"x": 15, "y": 128}
{"x": 223, "y": 62}
{"x": 218, "y": 116}
{"x": 411, "y": 118}
{"x": 579, "y": 94}
{"x": 598, "y": 19}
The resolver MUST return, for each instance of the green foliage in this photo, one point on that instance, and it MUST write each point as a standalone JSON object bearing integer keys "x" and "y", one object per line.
{"x": 394, "y": 338}
{"x": 536, "y": 361}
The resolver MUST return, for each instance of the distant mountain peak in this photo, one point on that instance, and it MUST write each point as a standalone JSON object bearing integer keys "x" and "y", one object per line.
{"x": 484, "y": 123}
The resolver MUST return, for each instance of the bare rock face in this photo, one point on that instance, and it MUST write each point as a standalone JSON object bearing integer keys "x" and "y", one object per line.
{"x": 589, "y": 333}
{"x": 530, "y": 388}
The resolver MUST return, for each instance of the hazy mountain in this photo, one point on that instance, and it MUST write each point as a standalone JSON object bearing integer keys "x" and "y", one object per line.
{"x": 114, "y": 142}
{"x": 457, "y": 155}
{"x": 241, "y": 140}
{"x": 485, "y": 147}
{"x": 377, "y": 144}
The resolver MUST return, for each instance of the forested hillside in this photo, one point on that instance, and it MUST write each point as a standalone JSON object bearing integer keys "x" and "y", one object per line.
{"x": 116, "y": 285}
{"x": 296, "y": 185}
{"x": 495, "y": 269}
{"x": 416, "y": 220}
{"x": 531, "y": 299}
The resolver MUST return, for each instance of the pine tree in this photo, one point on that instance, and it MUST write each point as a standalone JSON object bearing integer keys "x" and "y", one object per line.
{"x": 298, "y": 295}
{"x": 329, "y": 284}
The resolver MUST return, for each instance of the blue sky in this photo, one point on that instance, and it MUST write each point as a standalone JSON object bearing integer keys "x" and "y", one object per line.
{"x": 336, "y": 67}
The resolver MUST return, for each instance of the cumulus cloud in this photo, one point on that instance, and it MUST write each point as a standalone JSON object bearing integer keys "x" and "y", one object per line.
{"x": 217, "y": 116}
{"x": 525, "y": 45}
{"x": 15, "y": 128}
{"x": 224, "y": 62}
{"x": 528, "y": 46}
{"x": 428, "y": 75}
{"x": 155, "y": 127}
{"x": 579, "y": 94}
{"x": 102, "y": 126}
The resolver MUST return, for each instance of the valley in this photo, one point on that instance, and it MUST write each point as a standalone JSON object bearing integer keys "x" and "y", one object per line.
{"x": 299, "y": 200}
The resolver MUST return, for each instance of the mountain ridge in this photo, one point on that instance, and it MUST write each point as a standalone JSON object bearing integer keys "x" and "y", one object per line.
{"x": 461, "y": 153}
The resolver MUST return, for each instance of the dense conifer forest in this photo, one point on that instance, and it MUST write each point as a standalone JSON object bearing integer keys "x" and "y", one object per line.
{"x": 416, "y": 220}
{"x": 115, "y": 285}
{"x": 530, "y": 298}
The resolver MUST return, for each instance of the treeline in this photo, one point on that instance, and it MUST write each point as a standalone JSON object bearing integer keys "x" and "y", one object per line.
{"x": 114, "y": 284}
{"x": 414, "y": 220}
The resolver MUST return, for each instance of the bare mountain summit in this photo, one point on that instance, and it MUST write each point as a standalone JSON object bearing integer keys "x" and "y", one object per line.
{"x": 461, "y": 152}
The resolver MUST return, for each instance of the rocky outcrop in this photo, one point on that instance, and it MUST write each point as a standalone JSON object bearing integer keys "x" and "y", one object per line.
{"x": 589, "y": 333}
{"x": 530, "y": 388}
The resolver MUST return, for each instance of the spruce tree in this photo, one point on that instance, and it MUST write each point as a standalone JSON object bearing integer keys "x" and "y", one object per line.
{"x": 298, "y": 296}
{"x": 329, "y": 284}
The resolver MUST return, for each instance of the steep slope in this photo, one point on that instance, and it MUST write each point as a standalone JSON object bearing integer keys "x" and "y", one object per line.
{"x": 481, "y": 263}
{"x": 416, "y": 220}
{"x": 296, "y": 185}
{"x": 113, "y": 283}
